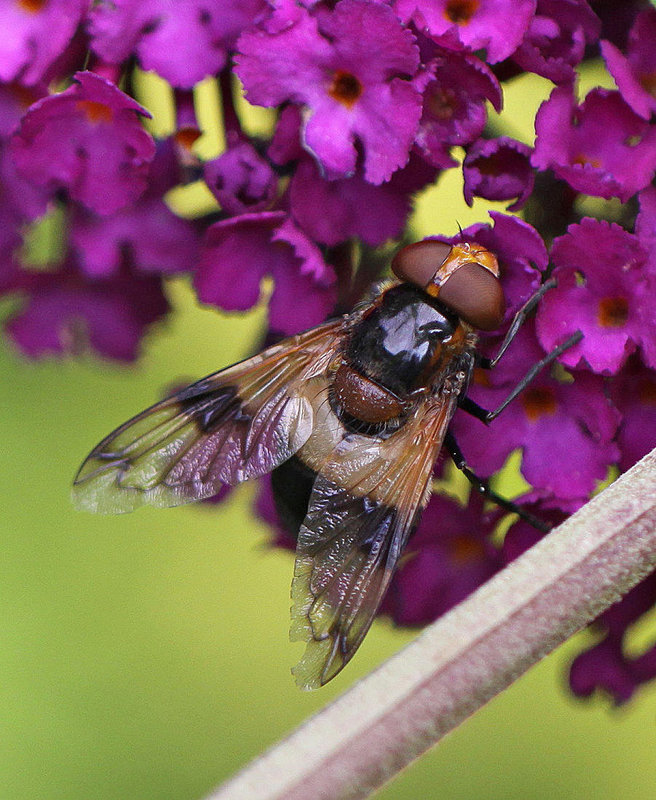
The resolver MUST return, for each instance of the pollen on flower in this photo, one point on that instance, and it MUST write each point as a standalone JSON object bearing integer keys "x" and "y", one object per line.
{"x": 538, "y": 402}
{"x": 94, "y": 111}
{"x": 345, "y": 88}
{"x": 461, "y": 11}
{"x": 613, "y": 312}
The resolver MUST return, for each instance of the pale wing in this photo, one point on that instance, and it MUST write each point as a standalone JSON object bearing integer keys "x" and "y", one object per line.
{"x": 365, "y": 503}
{"x": 236, "y": 424}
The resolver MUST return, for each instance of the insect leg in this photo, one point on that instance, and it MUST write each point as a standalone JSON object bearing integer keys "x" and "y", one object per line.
{"x": 472, "y": 407}
{"x": 573, "y": 339}
{"x": 482, "y": 486}
{"x": 518, "y": 321}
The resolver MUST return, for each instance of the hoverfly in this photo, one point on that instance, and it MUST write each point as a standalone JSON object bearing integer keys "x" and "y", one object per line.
{"x": 361, "y": 404}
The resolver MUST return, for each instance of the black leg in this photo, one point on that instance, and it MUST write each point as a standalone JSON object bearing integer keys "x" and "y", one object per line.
{"x": 481, "y": 486}
{"x": 487, "y": 363}
{"x": 518, "y": 320}
{"x": 537, "y": 367}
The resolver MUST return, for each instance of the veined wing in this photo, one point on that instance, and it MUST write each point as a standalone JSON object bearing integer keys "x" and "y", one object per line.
{"x": 236, "y": 424}
{"x": 365, "y": 503}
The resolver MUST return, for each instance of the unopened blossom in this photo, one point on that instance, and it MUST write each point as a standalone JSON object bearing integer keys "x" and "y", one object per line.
{"x": 455, "y": 87}
{"x": 237, "y": 253}
{"x": 241, "y": 180}
{"x": 498, "y": 169}
{"x": 556, "y": 39}
{"x": 635, "y": 72}
{"x": 601, "y": 147}
{"x": 87, "y": 140}
{"x": 605, "y": 286}
{"x": 348, "y": 69}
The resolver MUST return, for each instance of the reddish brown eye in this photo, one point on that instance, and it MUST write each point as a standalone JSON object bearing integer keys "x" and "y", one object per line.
{"x": 464, "y": 276}
{"x": 417, "y": 263}
{"x": 475, "y": 294}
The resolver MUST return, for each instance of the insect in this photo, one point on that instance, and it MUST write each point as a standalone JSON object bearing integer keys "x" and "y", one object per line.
{"x": 358, "y": 406}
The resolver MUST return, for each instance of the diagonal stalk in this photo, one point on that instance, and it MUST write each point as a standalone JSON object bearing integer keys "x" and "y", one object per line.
{"x": 469, "y": 655}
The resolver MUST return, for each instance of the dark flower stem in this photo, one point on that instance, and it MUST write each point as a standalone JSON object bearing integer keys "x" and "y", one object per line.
{"x": 231, "y": 121}
{"x": 469, "y": 655}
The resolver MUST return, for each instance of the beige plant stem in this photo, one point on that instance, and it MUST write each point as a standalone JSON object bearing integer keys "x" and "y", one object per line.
{"x": 468, "y": 656}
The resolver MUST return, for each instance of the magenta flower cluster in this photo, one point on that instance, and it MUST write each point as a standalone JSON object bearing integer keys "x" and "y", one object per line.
{"x": 371, "y": 97}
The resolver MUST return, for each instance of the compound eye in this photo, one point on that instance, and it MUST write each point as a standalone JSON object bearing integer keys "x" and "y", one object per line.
{"x": 464, "y": 276}
{"x": 475, "y": 294}
{"x": 417, "y": 263}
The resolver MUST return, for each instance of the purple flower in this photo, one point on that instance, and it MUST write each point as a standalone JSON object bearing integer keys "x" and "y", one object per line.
{"x": 344, "y": 67}
{"x": 498, "y": 169}
{"x": 448, "y": 557}
{"x": 635, "y": 73}
{"x": 15, "y": 99}
{"x": 555, "y": 41}
{"x": 88, "y": 140}
{"x": 237, "y": 253}
{"x": 553, "y": 422}
{"x": 64, "y": 314}
{"x": 334, "y": 211}
{"x": 155, "y": 239}
{"x": 496, "y": 25}
{"x": 633, "y": 391}
{"x": 645, "y": 225}
{"x": 600, "y": 147}
{"x": 34, "y": 35}
{"x": 241, "y": 180}
{"x": 455, "y": 87}
{"x": 265, "y": 508}
{"x": 604, "y": 290}
{"x": 605, "y": 665}
{"x": 182, "y": 42}
{"x": 145, "y": 234}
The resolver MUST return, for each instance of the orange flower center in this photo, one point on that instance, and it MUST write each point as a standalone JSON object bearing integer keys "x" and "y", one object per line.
{"x": 186, "y": 136}
{"x": 538, "y": 401}
{"x": 461, "y": 11}
{"x": 613, "y": 312}
{"x": 647, "y": 393}
{"x": 465, "y": 549}
{"x": 441, "y": 103}
{"x": 32, "y": 6}
{"x": 345, "y": 88}
{"x": 95, "y": 112}
{"x": 648, "y": 83}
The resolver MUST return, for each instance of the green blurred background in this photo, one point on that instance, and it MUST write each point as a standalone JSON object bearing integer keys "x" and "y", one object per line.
{"x": 146, "y": 656}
